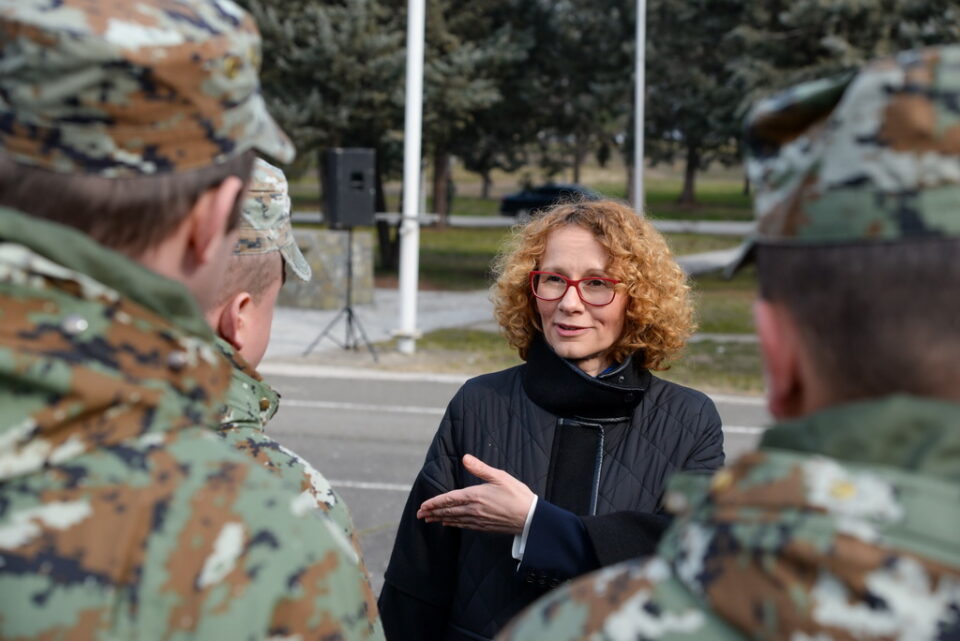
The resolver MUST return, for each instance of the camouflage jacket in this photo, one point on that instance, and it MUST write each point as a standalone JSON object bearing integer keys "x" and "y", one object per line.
{"x": 843, "y": 525}
{"x": 251, "y": 403}
{"x": 122, "y": 515}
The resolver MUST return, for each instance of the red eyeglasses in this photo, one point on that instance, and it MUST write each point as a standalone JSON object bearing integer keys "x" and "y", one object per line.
{"x": 595, "y": 290}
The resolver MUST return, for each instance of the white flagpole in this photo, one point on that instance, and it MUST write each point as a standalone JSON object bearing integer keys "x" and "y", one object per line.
{"x": 638, "y": 194}
{"x": 410, "y": 226}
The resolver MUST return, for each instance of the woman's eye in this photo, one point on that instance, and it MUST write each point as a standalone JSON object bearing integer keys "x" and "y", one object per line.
{"x": 552, "y": 278}
{"x": 597, "y": 283}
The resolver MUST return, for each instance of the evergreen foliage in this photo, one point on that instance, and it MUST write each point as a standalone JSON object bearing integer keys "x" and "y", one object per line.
{"x": 512, "y": 81}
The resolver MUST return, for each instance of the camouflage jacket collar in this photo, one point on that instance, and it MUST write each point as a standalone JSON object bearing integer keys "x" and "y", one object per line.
{"x": 85, "y": 367}
{"x": 783, "y": 541}
{"x": 79, "y": 253}
{"x": 251, "y": 402}
{"x": 905, "y": 432}
{"x": 878, "y": 477}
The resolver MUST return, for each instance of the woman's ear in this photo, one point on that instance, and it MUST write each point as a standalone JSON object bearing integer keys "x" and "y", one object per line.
{"x": 783, "y": 370}
{"x": 233, "y": 325}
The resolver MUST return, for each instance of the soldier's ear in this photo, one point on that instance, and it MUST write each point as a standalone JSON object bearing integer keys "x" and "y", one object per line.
{"x": 783, "y": 368}
{"x": 233, "y": 323}
{"x": 208, "y": 221}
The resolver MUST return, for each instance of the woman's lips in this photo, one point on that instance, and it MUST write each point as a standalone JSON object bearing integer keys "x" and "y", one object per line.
{"x": 569, "y": 330}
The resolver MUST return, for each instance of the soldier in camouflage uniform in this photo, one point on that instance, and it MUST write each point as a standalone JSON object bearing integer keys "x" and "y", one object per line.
{"x": 846, "y": 523}
{"x": 126, "y": 136}
{"x": 243, "y": 318}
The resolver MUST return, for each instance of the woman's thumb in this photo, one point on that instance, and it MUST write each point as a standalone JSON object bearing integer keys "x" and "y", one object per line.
{"x": 478, "y": 468}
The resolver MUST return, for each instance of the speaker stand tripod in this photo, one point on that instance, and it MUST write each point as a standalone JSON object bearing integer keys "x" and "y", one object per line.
{"x": 354, "y": 329}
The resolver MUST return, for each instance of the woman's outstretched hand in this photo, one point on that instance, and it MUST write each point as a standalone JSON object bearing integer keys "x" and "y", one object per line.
{"x": 499, "y": 505}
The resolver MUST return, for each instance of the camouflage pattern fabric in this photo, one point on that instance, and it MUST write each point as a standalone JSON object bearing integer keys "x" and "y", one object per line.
{"x": 790, "y": 545}
{"x": 250, "y": 404}
{"x": 862, "y": 157}
{"x": 265, "y": 220}
{"x": 131, "y": 88}
{"x": 122, "y": 514}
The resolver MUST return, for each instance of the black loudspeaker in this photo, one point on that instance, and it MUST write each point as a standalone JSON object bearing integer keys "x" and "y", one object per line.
{"x": 348, "y": 187}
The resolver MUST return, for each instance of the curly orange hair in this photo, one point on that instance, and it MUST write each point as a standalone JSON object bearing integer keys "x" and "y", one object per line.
{"x": 659, "y": 314}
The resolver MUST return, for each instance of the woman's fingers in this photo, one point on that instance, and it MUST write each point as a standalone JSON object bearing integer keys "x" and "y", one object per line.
{"x": 481, "y": 525}
{"x": 466, "y": 510}
{"x": 498, "y": 505}
{"x": 449, "y": 499}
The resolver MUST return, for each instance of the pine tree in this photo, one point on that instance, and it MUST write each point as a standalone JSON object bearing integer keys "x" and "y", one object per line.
{"x": 780, "y": 43}
{"x": 691, "y": 100}
{"x": 333, "y": 74}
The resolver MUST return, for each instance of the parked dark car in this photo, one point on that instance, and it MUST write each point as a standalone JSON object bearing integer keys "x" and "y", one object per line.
{"x": 534, "y": 199}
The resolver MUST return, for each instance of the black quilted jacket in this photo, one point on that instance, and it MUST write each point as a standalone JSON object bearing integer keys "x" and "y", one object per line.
{"x": 445, "y": 583}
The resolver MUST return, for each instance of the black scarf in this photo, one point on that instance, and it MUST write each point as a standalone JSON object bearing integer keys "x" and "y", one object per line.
{"x": 593, "y": 414}
{"x": 562, "y": 388}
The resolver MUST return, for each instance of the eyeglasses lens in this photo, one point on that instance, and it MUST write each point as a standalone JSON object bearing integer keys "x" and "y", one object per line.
{"x": 595, "y": 291}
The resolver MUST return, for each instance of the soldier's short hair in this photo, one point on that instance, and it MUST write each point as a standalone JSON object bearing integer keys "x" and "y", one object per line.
{"x": 878, "y": 318}
{"x": 251, "y": 273}
{"x": 126, "y": 214}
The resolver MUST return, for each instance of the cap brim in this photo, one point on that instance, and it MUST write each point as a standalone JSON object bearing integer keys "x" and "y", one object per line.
{"x": 294, "y": 259}
{"x": 744, "y": 256}
{"x": 266, "y": 135}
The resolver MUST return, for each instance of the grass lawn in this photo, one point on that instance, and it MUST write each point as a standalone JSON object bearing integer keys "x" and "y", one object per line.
{"x": 717, "y": 199}
{"x": 456, "y": 258}
{"x": 718, "y": 367}
{"x": 474, "y": 351}
{"x": 725, "y": 306}
{"x": 681, "y": 244}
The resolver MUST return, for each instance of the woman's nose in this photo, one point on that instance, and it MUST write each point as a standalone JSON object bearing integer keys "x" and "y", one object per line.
{"x": 571, "y": 299}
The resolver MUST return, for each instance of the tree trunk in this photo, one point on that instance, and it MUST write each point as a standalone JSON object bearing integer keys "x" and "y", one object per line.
{"x": 441, "y": 172}
{"x": 746, "y": 185}
{"x": 321, "y": 179}
{"x": 487, "y": 185}
{"x": 577, "y": 159}
{"x": 380, "y": 199}
{"x": 388, "y": 242}
{"x": 689, "y": 194}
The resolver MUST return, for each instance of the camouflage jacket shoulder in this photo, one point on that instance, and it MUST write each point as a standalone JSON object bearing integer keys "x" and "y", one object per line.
{"x": 251, "y": 401}
{"x": 784, "y": 545}
{"x": 250, "y": 404}
{"x": 119, "y": 517}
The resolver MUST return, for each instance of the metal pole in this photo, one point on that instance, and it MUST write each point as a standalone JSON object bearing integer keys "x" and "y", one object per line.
{"x": 638, "y": 194}
{"x": 410, "y": 226}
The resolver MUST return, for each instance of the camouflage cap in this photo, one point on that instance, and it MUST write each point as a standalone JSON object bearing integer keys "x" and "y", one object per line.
{"x": 866, "y": 156}
{"x": 265, "y": 220}
{"x": 131, "y": 88}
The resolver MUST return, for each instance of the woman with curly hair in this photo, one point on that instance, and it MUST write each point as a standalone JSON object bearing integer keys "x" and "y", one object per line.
{"x": 558, "y": 466}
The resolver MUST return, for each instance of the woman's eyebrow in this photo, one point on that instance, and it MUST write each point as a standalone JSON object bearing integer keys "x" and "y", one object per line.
{"x": 592, "y": 271}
